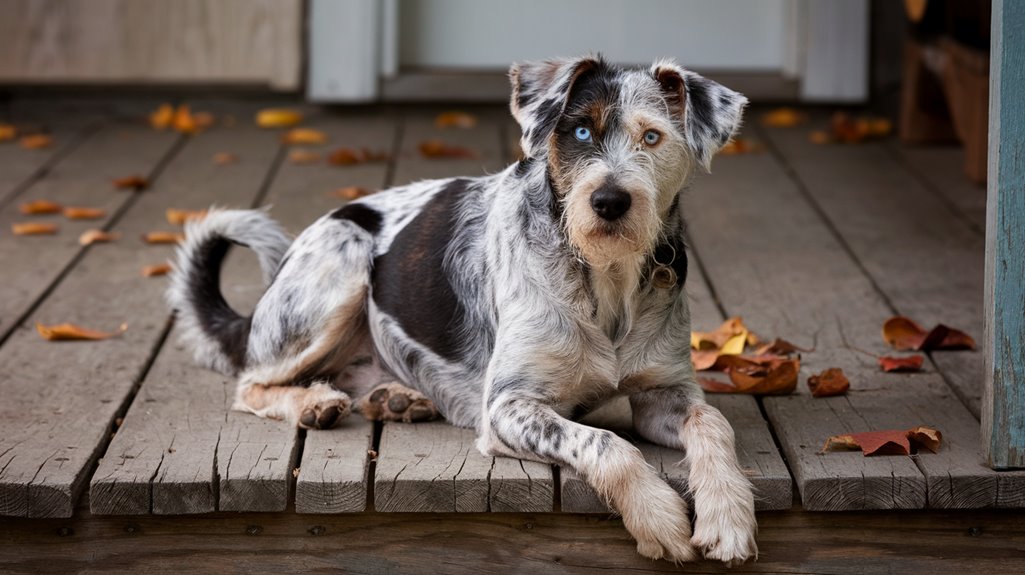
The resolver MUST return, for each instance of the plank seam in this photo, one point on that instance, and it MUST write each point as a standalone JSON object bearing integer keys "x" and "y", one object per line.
{"x": 80, "y": 137}
{"x": 932, "y": 189}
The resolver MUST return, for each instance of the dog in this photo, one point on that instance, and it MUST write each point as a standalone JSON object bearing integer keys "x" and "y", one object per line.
{"x": 513, "y": 303}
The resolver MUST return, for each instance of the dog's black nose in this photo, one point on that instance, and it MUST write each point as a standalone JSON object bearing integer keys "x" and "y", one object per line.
{"x": 610, "y": 202}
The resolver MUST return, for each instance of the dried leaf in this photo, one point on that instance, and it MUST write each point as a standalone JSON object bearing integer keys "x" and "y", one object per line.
{"x": 779, "y": 380}
{"x": 203, "y": 120}
{"x": 161, "y": 118}
{"x": 37, "y": 207}
{"x": 36, "y": 142}
{"x": 163, "y": 238}
{"x": 303, "y": 157}
{"x": 183, "y": 122}
{"x": 887, "y": 442}
{"x": 353, "y": 156}
{"x": 904, "y": 334}
{"x": 820, "y": 137}
{"x": 715, "y": 386}
{"x": 277, "y": 118}
{"x": 135, "y": 182}
{"x": 351, "y": 193}
{"x": 177, "y": 217}
{"x": 7, "y": 132}
{"x": 927, "y": 437}
{"x": 70, "y": 331}
{"x": 78, "y": 213}
{"x": 437, "y": 149}
{"x": 156, "y": 270}
{"x": 225, "y": 158}
{"x": 97, "y": 237}
{"x": 717, "y": 339}
{"x": 33, "y": 229}
{"x": 850, "y": 130}
{"x": 455, "y": 120}
{"x": 829, "y": 383}
{"x": 304, "y": 136}
{"x": 906, "y": 363}
{"x": 740, "y": 146}
{"x": 780, "y": 346}
{"x": 783, "y": 118}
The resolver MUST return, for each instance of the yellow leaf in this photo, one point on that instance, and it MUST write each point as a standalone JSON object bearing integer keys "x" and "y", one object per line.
{"x": 277, "y": 118}
{"x": 734, "y": 345}
{"x": 304, "y": 136}
{"x": 70, "y": 331}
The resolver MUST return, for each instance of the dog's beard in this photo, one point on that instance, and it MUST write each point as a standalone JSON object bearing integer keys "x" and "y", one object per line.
{"x": 604, "y": 244}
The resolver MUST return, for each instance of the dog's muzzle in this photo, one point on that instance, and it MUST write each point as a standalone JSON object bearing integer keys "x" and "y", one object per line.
{"x": 610, "y": 202}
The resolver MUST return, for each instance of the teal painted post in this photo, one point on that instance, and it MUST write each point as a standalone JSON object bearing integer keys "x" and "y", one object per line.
{"x": 1003, "y": 406}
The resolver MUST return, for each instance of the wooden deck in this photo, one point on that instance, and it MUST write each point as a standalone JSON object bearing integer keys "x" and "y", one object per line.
{"x": 816, "y": 244}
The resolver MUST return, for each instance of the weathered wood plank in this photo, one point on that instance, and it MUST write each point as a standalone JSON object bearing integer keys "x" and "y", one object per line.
{"x": 19, "y": 168}
{"x": 339, "y": 483}
{"x": 430, "y": 467}
{"x": 1003, "y": 405}
{"x": 943, "y": 543}
{"x": 773, "y": 261}
{"x": 909, "y": 243}
{"x": 940, "y": 168}
{"x": 83, "y": 178}
{"x": 61, "y": 398}
{"x": 484, "y": 140}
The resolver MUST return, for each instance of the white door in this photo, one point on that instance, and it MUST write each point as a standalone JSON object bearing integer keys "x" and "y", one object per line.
{"x": 365, "y": 50}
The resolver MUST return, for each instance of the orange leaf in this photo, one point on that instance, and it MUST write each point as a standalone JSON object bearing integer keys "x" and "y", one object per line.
{"x": 887, "y": 442}
{"x": 97, "y": 236}
{"x": 304, "y": 136}
{"x": 33, "y": 229}
{"x": 437, "y": 149}
{"x": 203, "y": 120}
{"x": 84, "y": 213}
{"x": 185, "y": 122}
{"x": 163, "y": 238}
{"x": 36, "y": 207}
{"x": 36, "y": 142}
{"x": 303, "y": 157}
{"x": 136, "y": 182}
{"x": 224, "y": 158}
{"x": 352, "y": 156}
{"x": 820, "y": 137}
{"x": 162, "y": 117}
{"x": 7, "y": 132}
{"x": 848, "y": 130}
{"x": 904, "y": 334}
{"x": 908, "y": 363}
{"x": 829, "y": 383}
{"x": 179, "y": 217}
{"x": 351, "y": 192}
{"x": 740, "y": 146}
{"x": 783, "y": 118}
{"x": 455, "y": 120}
{"x": 277, "y": 118}
{"x": 156, "y": 270}
{"x": 780, "y": 346}
{"x": 715, "y": 386}
{"x": 70, "y": 331}
{"x": 779, "y": 380}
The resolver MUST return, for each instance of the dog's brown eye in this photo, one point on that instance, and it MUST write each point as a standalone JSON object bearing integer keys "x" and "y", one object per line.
{"x": 651, "y": 137}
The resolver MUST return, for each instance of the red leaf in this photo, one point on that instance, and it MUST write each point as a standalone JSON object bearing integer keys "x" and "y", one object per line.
{"x": 778, "y": 380}
{"x": 829, "y": 383}
{"x": 887, "y": 442}
{"x": 904, "y": 334}
{"x": 780, "y": 346}
{"x": 907, "y": 363}
{"x": 715, "y": 386}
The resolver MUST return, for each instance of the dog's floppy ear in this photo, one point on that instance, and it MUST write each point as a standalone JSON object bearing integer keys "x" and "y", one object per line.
{"x": 710, "y": 112}
{"x": 539, "y": 94}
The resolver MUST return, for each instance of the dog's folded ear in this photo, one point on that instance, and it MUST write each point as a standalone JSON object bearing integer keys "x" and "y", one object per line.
{"x": 710, "y": 113}
{"x": 539, "y": 94}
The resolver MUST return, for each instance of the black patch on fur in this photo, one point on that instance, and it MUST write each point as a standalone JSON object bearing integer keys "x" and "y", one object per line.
{"x": 523, "y": 167}
{"x": 525, "y": 96}
{"x": 410, "y": 282}
{"x": 545, "y": 117}
{"x": 363, "y": 216}
{"x": 216, "y": 318}
{"x": 665, "y": 253}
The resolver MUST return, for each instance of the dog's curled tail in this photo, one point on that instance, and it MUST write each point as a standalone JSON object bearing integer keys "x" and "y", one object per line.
{"x": 217, "y": 333}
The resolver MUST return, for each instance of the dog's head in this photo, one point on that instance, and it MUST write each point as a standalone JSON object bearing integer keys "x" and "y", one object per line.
{"x": 619, "y": 144}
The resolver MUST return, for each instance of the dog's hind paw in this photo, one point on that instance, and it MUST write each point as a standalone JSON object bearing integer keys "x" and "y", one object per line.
{"x": 325, "y": 413}
{"x": 396, "y": 402}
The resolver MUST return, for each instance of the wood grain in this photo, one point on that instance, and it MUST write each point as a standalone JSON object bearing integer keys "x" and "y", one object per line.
{"x": 1003, "y": 404}
{"x": 851, "y": 543}
{"x": 430, "y": 468}
{"x": 335, "y": 471}
{"x": 192, "y": 41}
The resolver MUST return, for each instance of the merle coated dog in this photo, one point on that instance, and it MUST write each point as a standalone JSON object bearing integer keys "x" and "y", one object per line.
{"x": 513, "y": 304}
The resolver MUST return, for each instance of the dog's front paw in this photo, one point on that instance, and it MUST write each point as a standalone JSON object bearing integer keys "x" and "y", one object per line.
{"x": 657, "y": 518}
{"x": 725, "y": 531}
{"x": 324, "y": 409}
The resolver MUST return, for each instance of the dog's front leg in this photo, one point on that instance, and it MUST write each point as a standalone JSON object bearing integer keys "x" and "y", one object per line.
{"x": 522, "y": 425}
{"x": 679, "y": 417}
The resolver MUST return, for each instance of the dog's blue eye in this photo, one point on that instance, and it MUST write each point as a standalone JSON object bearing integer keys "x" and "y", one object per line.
{"x": 582, "y": 134}
{"x": 651, "y": 137}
